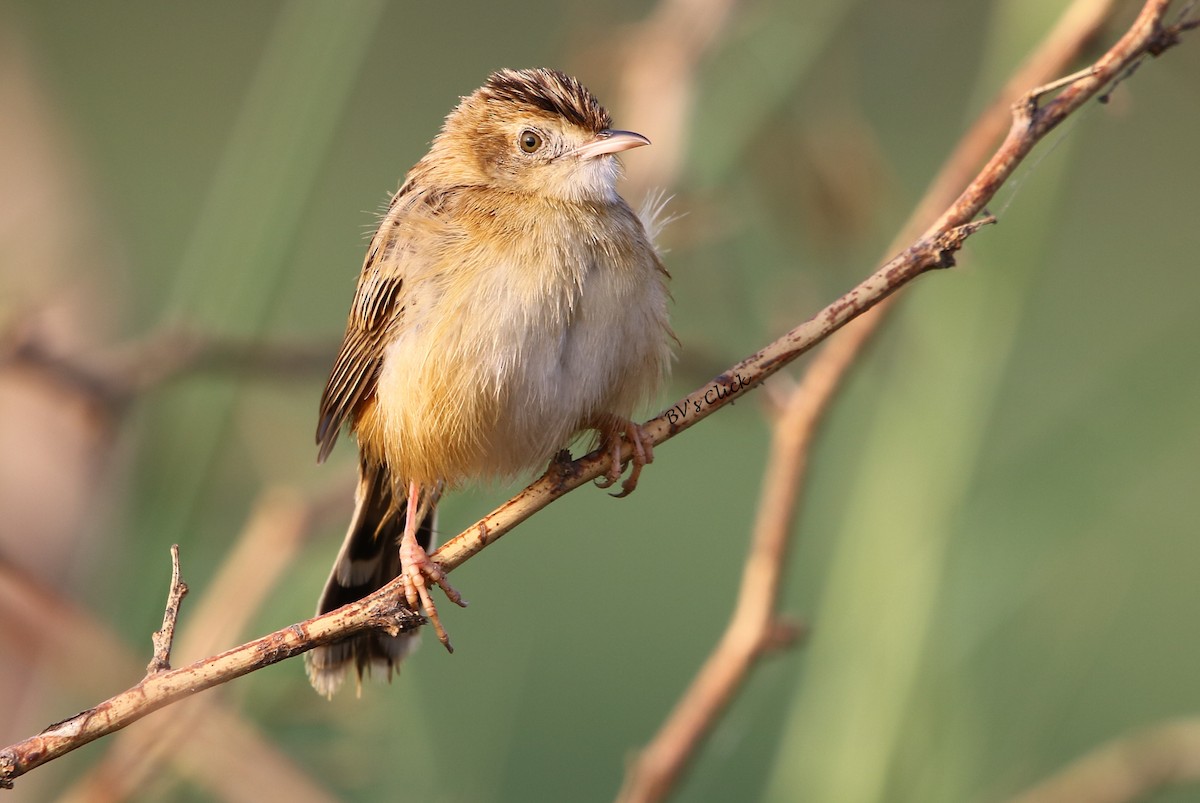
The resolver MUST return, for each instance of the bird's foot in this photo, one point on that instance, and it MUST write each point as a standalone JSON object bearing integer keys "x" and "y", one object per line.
{"x": 643, "y": 454}
{"x": 419, "y": 574}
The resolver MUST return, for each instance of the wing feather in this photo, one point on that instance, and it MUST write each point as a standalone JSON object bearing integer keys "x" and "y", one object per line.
{"x": 374, "y": 314}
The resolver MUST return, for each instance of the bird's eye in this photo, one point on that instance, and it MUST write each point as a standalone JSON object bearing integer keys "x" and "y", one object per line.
{"x": 530, "y": 140}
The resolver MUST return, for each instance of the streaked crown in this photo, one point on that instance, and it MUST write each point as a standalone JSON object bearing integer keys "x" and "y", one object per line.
{"x": 551, "y": 91}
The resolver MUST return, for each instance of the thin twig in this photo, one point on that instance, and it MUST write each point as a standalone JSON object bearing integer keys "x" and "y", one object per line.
{"x": 280, "y": 521}
{"x": 934, "y": 249}
{"x": 382, "y": 610}
{"x": 164, "y": 638}
{"x": 63, "y": 637}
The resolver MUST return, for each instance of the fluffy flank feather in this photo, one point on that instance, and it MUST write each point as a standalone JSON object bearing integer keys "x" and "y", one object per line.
{"x": 654, "y": 216}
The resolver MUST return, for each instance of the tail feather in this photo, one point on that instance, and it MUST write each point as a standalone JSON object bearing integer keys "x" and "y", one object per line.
{"x": 369, "y": 559}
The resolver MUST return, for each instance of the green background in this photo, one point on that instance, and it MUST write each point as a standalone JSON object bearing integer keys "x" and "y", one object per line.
{"x": 998, "y": 554}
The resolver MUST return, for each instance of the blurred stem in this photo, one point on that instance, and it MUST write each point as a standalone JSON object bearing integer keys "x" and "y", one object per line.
{"x": 234, "y": 264}
{"x": 755, "y": 627}
{"x": 1127, "y": 769}
{"x": 755, "y": 78}
{"x": 870, "y": 652}
{"x": 236, "y": 258}
{"x": 884, "y": 578}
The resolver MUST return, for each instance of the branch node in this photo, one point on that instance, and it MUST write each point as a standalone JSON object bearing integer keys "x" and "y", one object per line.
{"x": 393, "y": 616}
{"x": 163, "y": 639}
{"x": 562, "y": 468}
{"x": 951, "y": 241}
{"x": 1036, "y": 94}
{"x": 1166, "y": 38}
{"x": 783, "y": 634}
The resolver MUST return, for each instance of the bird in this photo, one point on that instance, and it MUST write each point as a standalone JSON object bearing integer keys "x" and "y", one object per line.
{"x": 510, "y": 302}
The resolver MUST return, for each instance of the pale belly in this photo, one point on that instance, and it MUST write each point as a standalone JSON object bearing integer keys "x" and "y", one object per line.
{"x": 499, "y": 386}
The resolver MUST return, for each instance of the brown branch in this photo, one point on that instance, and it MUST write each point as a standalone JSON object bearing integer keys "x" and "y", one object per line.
{"x": 277, "y": 527}
{"x": 934, "y": 249}
{"x": 1127, "y": 769}
{"x": 382, "y": 610}
{"x": 113, "y": 378}
{"x": 655, "y": 771}
{"x": 173, "y": 352}
{"x": 754, "y": 629}
{"x": 164, "y": 638}
{"x": 61, "y": 637}
{"x": 238, "y": 762}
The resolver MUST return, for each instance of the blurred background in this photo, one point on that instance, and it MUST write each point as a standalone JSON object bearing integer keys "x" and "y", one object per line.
{"x": 998, "y": 552}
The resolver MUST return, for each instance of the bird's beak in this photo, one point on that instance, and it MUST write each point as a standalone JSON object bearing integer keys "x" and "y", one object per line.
{"x": 609, "y": 141}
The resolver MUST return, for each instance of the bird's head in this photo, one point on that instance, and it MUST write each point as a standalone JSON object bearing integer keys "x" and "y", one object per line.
{"x": 533, "y": 131}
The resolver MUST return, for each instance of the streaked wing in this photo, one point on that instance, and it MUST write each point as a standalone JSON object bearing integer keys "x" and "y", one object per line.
{"x": 373, "y": 317}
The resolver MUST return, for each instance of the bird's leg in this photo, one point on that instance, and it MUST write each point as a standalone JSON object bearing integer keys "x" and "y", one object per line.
{"x": 611, "y": 431}
{"x": 417, "y": 570}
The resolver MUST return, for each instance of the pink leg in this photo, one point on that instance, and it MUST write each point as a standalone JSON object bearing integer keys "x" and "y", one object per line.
{"x": 418, "y": 570}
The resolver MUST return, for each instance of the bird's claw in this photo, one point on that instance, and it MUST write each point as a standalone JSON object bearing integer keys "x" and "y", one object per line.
{"x": 419, "y": 570}
{"x": 643, "y": 454}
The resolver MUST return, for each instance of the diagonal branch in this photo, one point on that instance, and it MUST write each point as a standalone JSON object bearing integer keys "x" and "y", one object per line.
{"x": 933, "y": 249}
{"x": 376, "y": 612}
{"x": 277, "y": 526}
{"x": 382, "y": 610}
{"x": 753, "y": 626}
{"x": 64, "y": 637}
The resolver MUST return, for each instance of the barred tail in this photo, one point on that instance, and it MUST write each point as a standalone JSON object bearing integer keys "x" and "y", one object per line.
{"x": 368, "y": 560}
